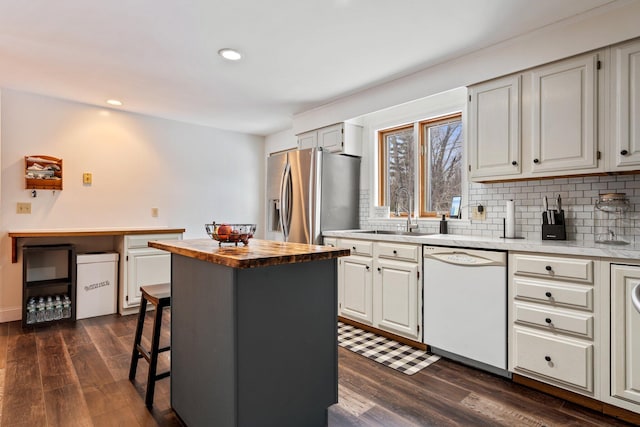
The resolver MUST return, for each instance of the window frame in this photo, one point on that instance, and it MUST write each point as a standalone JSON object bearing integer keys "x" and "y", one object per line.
{"x": 421, "y": 161}
{"x": 423, "y": 154}
{"x": 382, "y": 163}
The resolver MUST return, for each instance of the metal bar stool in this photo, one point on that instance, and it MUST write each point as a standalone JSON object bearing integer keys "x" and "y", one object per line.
{"x": 160, "y": 296}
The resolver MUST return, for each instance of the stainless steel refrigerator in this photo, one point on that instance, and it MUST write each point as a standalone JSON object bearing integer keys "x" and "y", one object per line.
{"x": 309, "y": 191}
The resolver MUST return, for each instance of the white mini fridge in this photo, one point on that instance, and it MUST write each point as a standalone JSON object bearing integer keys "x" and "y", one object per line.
{"x": 97, "y": 284}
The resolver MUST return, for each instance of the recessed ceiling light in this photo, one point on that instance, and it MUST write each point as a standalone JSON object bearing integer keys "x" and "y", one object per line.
{"x": 114, "y": 102}
{"x": 230, "y": 54}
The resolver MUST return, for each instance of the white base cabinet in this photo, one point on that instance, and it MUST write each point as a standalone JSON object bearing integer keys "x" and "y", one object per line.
{"x": 380, "y": 285}
{"x": 554, "y": 321}
{"x": 625, "y": 337}
{"x": 141, "y": 265}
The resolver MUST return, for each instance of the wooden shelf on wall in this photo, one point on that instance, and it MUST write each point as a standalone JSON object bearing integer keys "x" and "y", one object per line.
{"x": 42, "y": 172}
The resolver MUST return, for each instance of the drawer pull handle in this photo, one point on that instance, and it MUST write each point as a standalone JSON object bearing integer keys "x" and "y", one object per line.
{"x": 548, "y": 268}
{"x": 548, "y": 320}
{"x": 353, "y": 247}
{"x": 547, "y": 358}
{"x": 395, "y": 252}
{"x": 547, "y": 294}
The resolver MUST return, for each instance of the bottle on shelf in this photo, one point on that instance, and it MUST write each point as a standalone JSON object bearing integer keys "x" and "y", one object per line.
{"x": 66, "y": 307}
{"x": 31, "y": 311}
{"x": 40, "y": 306}
{"x": 57, "y": 308}
{"x": 48, "y": 311}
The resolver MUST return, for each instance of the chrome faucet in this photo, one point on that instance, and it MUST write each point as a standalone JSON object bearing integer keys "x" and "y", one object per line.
{"x": 410, "y": 225}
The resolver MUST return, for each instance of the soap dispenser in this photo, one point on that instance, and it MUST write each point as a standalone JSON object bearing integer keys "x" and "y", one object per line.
{"x": 443, "y": 225}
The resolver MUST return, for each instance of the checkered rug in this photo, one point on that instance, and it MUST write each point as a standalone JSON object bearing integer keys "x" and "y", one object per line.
{"x": 393, "y": 354}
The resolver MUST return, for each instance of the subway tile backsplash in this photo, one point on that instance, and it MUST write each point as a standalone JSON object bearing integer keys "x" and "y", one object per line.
{"x": 578, "y": 199}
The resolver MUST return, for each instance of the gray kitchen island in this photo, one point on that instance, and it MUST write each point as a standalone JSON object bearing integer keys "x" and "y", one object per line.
{"x": 253, "y": 332}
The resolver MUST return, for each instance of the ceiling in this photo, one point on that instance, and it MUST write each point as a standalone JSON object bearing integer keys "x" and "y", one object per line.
{"x": 160, "y": 56}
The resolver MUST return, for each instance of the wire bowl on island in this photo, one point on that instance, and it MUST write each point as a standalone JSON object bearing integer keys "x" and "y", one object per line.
{"x": 230, "y": 233}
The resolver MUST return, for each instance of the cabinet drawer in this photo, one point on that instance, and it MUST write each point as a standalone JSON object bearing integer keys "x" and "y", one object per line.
{"x": 398, "y": 251}
{"x": 141, "y": 240}
{"x": 555, "y": 320}
{"x": 554, "y": 267}
{"x": 570, "y": 362}
{"x": 358, "y": 247}
{"x": 554, "y": 293}
{"x": 330, "y": 241}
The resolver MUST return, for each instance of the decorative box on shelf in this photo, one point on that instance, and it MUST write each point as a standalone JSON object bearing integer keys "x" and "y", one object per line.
{"x": 42, "y": 173}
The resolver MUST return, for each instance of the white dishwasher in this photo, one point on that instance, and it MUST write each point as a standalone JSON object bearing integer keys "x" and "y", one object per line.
{"x": 465, "y": 306}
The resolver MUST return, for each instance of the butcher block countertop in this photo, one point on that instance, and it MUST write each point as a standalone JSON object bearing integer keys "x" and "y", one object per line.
{"x": 258, "y": 253}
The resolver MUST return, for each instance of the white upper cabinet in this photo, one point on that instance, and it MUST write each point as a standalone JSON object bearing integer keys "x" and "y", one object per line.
{"x": 343, "y": 138}
{"x": 625, "y": 103}
{"x": 494, "y": 127}
{"x": 543, "y": 122}
{"x": 564, "y": 115}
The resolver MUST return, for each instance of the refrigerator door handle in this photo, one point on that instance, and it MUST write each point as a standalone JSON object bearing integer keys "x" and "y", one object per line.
{"x": 285, "y": 201}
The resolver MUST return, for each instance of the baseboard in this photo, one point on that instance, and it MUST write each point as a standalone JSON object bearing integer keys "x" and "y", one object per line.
{"x": 401, "y": 339}
{"x": 10, "y": 314}
{"x": 588, "y": 402}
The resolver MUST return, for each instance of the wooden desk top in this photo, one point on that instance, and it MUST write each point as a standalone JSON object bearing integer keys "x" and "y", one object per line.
{"x": 82, "y": 232}
{"x": 258, "y": 253}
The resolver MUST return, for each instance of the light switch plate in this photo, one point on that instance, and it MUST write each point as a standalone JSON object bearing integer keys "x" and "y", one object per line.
{"x": 478, "y": 216}
{"x": 87, "y": 178}
{"x": 23, "y": 208}
{"x": 154, "y": 212}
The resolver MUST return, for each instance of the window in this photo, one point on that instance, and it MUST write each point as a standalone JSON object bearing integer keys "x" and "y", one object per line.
{"x": 439, "y": 158}
{"x": 441, "y": 164}
{"x": 396, "y": 149}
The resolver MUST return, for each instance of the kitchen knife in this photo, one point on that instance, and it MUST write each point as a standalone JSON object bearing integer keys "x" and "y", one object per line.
{"x": 559, "y": 203}
{"x": 547, "y": 212}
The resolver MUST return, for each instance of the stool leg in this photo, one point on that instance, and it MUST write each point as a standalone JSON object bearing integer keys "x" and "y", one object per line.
{"x": 135, "y": 354}
{"x": 153, "y": 363}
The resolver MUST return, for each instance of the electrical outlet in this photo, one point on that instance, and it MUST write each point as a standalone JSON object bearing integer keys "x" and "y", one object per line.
{"x": 23, "y": 208}
{"x": 154, "y": 212}
{"x": 477, "y": 215}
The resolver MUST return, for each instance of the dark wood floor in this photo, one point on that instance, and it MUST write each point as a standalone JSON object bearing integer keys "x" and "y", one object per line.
{"x": 75, "y": 374}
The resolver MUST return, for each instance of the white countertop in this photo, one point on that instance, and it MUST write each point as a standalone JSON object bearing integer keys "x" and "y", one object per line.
{"x": 562, "y": 247}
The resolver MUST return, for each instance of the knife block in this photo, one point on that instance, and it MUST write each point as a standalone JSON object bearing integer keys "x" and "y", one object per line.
{"x": 557, "y": 231}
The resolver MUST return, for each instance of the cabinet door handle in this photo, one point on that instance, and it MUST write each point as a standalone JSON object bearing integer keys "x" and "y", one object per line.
{"x": 379, "y": 269}
{"x": 548, "y": 320}
{"x": 367, "y": 267}
{"x": 624, "y": 152}
{"x": 548, "y": 268}
{"x": 514, "y": 163}
{"x": 547, "y": 294}
{"x": 547, "y": 358}
{"x": 536, "y": 161}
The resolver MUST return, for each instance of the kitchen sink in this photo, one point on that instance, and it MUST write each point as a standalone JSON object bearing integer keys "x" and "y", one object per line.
{"x": 393, "y": 233}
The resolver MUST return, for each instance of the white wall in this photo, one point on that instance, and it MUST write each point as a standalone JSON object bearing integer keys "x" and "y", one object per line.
{"x": 602, "y": 27}
{"x": 192, "y": 174}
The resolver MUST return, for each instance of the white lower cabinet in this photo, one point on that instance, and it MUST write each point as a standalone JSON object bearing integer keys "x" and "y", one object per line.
{"x": 625, "y": 337}
{"x": 396, "y": 297}
{"x": 141, "y": 265}
{"x": 554, "y": 322}
{"x": 379, "y": 285}
{"x": 356, "y": 289}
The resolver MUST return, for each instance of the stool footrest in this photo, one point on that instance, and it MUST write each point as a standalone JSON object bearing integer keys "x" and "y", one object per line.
{"x": 163, "y": 375}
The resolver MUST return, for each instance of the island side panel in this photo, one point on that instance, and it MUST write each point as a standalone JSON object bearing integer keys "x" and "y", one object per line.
{"x": 203, "y": 362}
{"x": 287, "y": 344}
